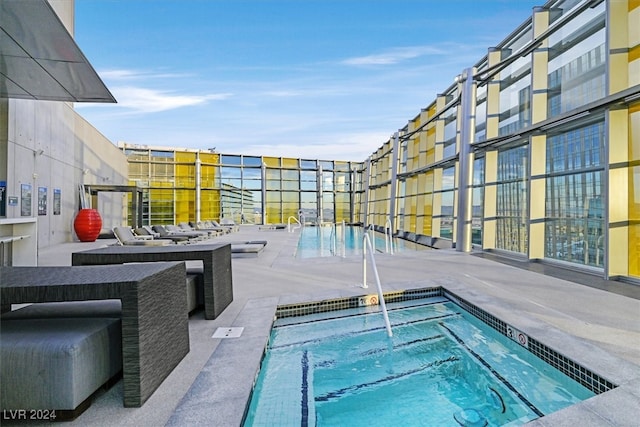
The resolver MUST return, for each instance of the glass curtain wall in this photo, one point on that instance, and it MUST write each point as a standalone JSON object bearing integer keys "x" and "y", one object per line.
{"x": 577, "y": 59}
{"x": 477, "y": 191}
{"x": 512, "y": 200}
{"x": 232, "y": 186}
{"x": 515, "y": 87}
{"x": 574, "y": 228}
{"x": 448, "y": 196}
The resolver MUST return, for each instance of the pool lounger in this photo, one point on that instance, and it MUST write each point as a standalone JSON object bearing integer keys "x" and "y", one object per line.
{"x": 246, "y": 249}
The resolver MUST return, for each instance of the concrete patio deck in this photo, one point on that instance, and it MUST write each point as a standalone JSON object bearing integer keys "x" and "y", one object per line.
{"x": 570, "y": 315}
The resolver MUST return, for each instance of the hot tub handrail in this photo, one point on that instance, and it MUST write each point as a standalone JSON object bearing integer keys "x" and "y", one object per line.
{"x": 366, "y": 242}
{"x": 289, "y": 223}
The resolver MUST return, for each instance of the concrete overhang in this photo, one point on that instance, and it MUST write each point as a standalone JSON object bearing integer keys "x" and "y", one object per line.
{"x": 39, "y": 58}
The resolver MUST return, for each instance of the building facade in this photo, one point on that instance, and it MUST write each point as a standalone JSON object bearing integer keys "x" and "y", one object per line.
{"x": 48, "y": 152}
{"x": 533, "y": 152}
{"x": 187, "y": 185}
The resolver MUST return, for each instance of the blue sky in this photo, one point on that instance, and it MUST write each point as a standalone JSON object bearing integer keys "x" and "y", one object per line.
{"x": 316, "y": 79}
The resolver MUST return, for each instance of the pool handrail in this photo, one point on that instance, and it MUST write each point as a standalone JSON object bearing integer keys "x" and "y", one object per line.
{"x": 388, "y": 237}
{"x": 373, "y": 242}
{"x": 289, "y": 223}
{"x": 366, "y": 242}
{"x": 333, "y": 239}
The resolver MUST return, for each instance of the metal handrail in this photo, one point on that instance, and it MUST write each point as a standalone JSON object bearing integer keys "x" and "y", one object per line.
{"x": 373, "y": 243}
{"x": 344, "y": 239}
{"x": 366, "y": 242}
{"x": 388, "y": 237}
{"x": 289, "y": 223}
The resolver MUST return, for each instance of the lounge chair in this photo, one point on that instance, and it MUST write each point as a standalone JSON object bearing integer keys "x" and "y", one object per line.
{"x": 175, "y": 230}
{"x": 226, "y": 222}
{"x": 146, "y": 231}
{"x": 189, "y": 228}
{"x": 181, "y": 237}
{"x": 125, "y": 237}
{"x": 206, "y": 226}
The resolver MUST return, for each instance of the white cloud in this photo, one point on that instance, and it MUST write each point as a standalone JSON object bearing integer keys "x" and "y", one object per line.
{"x": 394, "y": 56}
{"x": 347, "y": 147}
{"x": 124, "y": 74}
{"x": 143, "y": 100}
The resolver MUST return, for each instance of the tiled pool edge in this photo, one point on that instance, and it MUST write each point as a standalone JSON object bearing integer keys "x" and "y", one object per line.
{"x": 221, "y": 393}
{"x": 572, "y": 369}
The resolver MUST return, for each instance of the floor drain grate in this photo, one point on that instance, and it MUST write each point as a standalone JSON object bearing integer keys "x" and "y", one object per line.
{"x": 227, "y": 332}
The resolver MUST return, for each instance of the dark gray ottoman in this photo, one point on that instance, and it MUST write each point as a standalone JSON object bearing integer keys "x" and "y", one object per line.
{"x": 56, "y": 364}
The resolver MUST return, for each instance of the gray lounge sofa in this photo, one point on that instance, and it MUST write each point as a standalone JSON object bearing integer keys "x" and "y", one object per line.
{"x": 57, "y": 364}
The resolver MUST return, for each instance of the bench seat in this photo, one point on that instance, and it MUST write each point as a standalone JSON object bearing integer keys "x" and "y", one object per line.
{"x": 57, "y": 363}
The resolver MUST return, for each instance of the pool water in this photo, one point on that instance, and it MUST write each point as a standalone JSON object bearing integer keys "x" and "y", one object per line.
{"x": 442, "y": 367}
{"x": 326, "y": 241}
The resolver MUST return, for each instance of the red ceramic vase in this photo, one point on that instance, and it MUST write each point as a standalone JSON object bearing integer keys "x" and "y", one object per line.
{"x": 87, "y": 225}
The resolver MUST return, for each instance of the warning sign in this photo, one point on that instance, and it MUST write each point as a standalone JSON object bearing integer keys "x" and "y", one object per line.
{"x": 518, "y": 336}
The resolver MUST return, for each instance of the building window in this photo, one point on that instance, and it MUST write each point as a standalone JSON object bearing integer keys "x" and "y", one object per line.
{"x": 574, "y": 226}
{"x": 512, "y": 206}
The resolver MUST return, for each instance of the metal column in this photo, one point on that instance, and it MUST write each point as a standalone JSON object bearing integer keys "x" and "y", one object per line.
{"x": 394, "y": 180}
{"x": 465, "y": 161}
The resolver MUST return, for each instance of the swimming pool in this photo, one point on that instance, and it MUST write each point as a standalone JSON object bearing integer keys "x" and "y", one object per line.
{"x": 443, "y": 366}
{"x": 327, "y": 240}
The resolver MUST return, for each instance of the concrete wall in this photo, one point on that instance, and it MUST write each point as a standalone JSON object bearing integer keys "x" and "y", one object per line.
{"x": 50, "y": 146}
{"x": 47, "y": 145}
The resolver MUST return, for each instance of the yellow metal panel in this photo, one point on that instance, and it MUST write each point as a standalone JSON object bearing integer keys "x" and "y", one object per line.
{"x": 618, "y": 41}
{"x": 437, "y": 204}
{"x": 618, "y": 195}
{"x": 273, "y": 162}
{"x": 420, "y": 205}
{"x": 289, "y": 163}
{"x": 634, "y": 28}
{"x": 634, "y": 73}
{"x": 540, "y": 66}
{"x": 618, "y": 136}
{"x": 538, "y": 188}
{"x": 538, "y": 156}
{"x": 538, "y": 108}
{"x": 618, "y": 72}
{"x": 491, "y": 166}
{"x": 184, "y": 156}
{"x": 634, "y": 250}
{"x": 540, "y": 21}
{"x": 634, "y": 132}
{"x": 431, "y": 111}
{"x": 489, "y": 234}
{"x": 617, "y": 251}
{"x": 634, "y": 193}
{"x": 211, "y": 158}
{"x": 490, "y": 201}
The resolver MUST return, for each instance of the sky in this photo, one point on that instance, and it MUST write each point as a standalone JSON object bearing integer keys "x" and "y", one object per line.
{"x": 311, "y": 79}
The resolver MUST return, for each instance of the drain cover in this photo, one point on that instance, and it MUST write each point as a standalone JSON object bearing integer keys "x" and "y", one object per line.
{"x": 227, "y": 332}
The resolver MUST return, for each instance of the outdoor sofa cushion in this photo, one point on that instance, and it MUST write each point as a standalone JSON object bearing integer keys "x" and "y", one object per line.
{"x": 57, "y": 364}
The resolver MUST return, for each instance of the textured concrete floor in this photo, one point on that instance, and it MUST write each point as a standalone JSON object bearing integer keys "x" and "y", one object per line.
{"x": 578, "y": 319}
